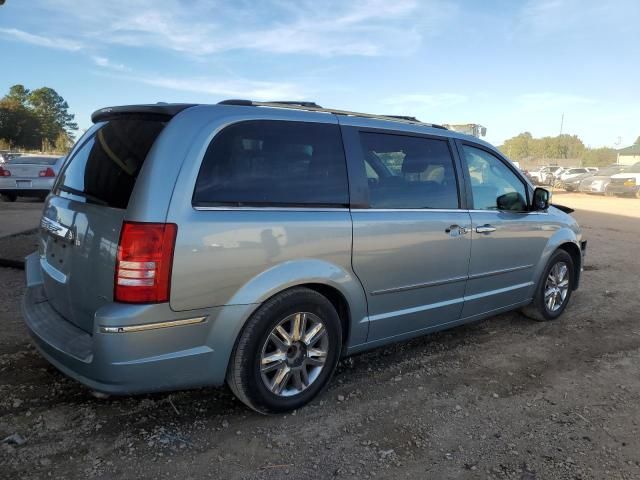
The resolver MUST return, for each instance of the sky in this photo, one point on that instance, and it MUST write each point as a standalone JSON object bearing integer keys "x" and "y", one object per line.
{"x": 512, "y": 66}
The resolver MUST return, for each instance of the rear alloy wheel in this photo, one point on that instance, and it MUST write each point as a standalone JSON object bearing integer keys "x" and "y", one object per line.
{"x": 554, "y": 289}
{"x": 294, "y": 354}
{"x": 287, "y": 352}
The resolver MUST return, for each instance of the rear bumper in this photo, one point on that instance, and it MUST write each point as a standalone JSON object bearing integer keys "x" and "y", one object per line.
{"x": 128, "y": 362}
{"x": 35, "y": 187}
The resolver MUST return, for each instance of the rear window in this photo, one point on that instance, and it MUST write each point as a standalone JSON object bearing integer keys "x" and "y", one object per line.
{"x": 274, "y": 163}
{"x": 32, "y": 160}
{"x": 105, "y": 168}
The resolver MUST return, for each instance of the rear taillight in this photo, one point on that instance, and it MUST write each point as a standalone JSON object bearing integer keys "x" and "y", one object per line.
{"x": 143, "y": 268}
{"x": 4, "y": 173}
{"x": 47, "y": 173}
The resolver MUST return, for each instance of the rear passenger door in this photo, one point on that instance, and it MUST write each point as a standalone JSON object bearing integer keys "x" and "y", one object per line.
{"x": 410, "y": 235}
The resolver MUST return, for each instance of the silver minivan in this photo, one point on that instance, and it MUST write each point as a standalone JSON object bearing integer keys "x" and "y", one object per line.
{"x": 257, "y": 243}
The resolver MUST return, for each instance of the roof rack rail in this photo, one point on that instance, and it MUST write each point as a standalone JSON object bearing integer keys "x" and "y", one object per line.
{"x": 250, "y": 103}
{"x": 312, "y": 106}
{"x": 404, "y": 117}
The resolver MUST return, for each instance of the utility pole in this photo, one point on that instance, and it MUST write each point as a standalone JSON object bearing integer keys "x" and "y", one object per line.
{"x": 560, "y": 136}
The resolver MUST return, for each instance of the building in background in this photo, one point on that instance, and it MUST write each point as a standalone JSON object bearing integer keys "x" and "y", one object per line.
{"x": 474, "y": 129}
{"x": 629, "y": 155}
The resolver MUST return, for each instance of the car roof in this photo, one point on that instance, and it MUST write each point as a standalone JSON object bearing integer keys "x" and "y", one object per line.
{"x": 307, "y": 109}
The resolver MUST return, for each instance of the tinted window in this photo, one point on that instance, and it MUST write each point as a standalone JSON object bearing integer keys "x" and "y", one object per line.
{"x": 105, "y": 168}
{"x": 409, "y": 172}
{"x": 264, "y": 163}
{"x": 494, "y": 185}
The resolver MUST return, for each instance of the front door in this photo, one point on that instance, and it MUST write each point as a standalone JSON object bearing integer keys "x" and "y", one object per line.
{"x": 507, "y": 239}
{"x": 411, "y": 239}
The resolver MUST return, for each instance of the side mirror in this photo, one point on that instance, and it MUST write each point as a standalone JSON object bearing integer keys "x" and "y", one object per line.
{"x": 541, "y": 199}
{"x": 511, "y": 201}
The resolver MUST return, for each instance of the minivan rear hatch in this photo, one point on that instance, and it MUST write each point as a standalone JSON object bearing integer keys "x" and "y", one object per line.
{"x": 81, "y": 222}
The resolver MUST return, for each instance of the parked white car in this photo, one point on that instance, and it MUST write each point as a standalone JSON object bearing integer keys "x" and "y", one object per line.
{"x": 570, "y": 173}
{"x": 539, "y": 175}
{"x": 626, "y": 183}
{"x": 29, "y": 176}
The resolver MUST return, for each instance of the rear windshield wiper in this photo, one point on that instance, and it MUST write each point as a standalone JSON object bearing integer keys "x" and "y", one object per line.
{"x": 90, "y": 198}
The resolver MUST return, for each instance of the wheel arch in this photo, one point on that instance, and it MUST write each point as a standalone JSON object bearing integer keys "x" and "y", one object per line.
{"x": 339, "y": 285}
{"x": 564, "y": 239}
{"x": 574, "y": 251}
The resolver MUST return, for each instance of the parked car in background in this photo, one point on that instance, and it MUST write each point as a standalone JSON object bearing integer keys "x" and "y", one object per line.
{"x": 539, "y": 175}
{"x": 554, "y": 175}
{"x": 292, "y": 236}
{"x": 569, "y": 173}
{"x": 598, "y": 182}
{"x": 572, "y": 184}
{"x": 28, "y": 176}
{"x": 626, "y": 183}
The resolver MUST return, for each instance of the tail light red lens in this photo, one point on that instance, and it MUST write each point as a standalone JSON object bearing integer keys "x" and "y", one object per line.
{"x": 4, "y": 173}
{"x": 47, "y": 173}
{"x": 145, "y": 257}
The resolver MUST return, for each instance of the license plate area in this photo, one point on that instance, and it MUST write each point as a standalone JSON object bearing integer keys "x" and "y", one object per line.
{"x": 23, "y": 183}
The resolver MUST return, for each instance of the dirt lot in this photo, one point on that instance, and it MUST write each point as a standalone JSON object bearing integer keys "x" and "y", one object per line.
{"x": 503, "y": 398}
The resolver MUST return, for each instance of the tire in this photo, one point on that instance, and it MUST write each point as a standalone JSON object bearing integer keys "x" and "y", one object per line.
{"x": 539, "y": 309}
{"x": 9, "y": 197}
{"x": 256, "y": 345}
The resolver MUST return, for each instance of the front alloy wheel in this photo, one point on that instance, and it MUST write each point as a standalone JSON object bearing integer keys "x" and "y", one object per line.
{"x": 556, "y": 287}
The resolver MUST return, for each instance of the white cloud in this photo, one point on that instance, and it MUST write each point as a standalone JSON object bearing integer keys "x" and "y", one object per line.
{"x": 325, "y": 28}
{"x": 58, "y": 43}
{"x": 543, "y": 18}
{"x": 550, "y": 101}
{"x": 241, "y": 88}
{"x": 427, "y": 100}
{"x": 104, "y": 62}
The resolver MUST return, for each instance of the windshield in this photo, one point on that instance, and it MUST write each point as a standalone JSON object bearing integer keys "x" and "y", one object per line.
{"x": 32, "y": 160}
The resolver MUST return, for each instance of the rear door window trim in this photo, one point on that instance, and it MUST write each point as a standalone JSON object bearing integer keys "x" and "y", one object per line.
{"x": 357, "y": 175}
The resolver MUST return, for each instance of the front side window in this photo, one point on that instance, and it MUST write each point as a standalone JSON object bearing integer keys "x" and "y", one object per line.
{"x": 493, "y": 184}
{"x": 409, "y": 172}
{"x": 271, "y": 163}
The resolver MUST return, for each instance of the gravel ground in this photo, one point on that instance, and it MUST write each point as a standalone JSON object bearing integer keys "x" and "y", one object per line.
{"x": 503, "y": 398}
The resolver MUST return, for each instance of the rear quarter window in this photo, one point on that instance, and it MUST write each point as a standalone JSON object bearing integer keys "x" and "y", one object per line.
{"x": 274, "y": 163}
{"x": 105, "y": 168}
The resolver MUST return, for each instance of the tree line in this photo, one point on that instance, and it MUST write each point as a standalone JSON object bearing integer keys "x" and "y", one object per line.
{"x": 524, "y": 146}
{"x": 35, "y": 120}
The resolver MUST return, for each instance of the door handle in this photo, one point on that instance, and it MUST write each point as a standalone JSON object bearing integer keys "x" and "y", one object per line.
{"x": 456, "y": 230}
{"x": 485, "y": 228}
